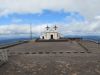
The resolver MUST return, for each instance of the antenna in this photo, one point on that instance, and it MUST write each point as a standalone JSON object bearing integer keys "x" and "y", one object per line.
{"x": 30, "y": 31}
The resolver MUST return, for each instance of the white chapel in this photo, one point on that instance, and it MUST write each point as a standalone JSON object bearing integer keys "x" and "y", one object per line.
{"x": 50, "y": 33}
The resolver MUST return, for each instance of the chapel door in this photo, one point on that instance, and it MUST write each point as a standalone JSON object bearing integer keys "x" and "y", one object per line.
{"x": 51, "y": 36}
{"x": 42, "y": 37}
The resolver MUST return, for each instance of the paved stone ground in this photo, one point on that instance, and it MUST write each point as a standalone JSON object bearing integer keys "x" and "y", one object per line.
{"x": 53, "y": 58}
{"x": 43, "y": 47}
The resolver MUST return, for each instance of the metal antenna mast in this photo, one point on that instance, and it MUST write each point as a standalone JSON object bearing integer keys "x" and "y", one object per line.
{"x": 30, "y": 31}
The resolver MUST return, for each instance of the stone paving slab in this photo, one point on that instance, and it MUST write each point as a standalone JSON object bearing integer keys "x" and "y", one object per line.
{"x": 47, "y": 47}
{"x": 52, "y": 65}
{"x": 52, "y": 58}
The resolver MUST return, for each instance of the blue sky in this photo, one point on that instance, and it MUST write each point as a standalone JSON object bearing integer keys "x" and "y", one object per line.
{"x": 45, "y": 18}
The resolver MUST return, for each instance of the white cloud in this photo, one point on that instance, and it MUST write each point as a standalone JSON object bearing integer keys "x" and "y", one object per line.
{"x": 14, "y": 28}
{"x": 82, "y": 28}
{"x": 70, "y": 29}
{"x": 88, "y": 8}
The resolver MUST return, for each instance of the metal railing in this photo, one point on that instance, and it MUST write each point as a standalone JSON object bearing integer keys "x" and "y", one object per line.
{"x": 3, "y": 56}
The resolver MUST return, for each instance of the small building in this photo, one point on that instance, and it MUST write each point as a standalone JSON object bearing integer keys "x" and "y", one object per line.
{"x": 51, "y": 33}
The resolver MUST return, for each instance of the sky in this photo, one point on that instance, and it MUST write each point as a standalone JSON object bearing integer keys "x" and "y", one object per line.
{"x": 73, "y": 17}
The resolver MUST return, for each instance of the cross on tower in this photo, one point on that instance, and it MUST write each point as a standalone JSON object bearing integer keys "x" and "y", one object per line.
{"x": 55, "y": 27}
{"x": 47, "y": 28}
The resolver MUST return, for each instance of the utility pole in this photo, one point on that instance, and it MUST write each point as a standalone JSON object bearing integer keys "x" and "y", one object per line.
{"x": 30, "y": 31}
